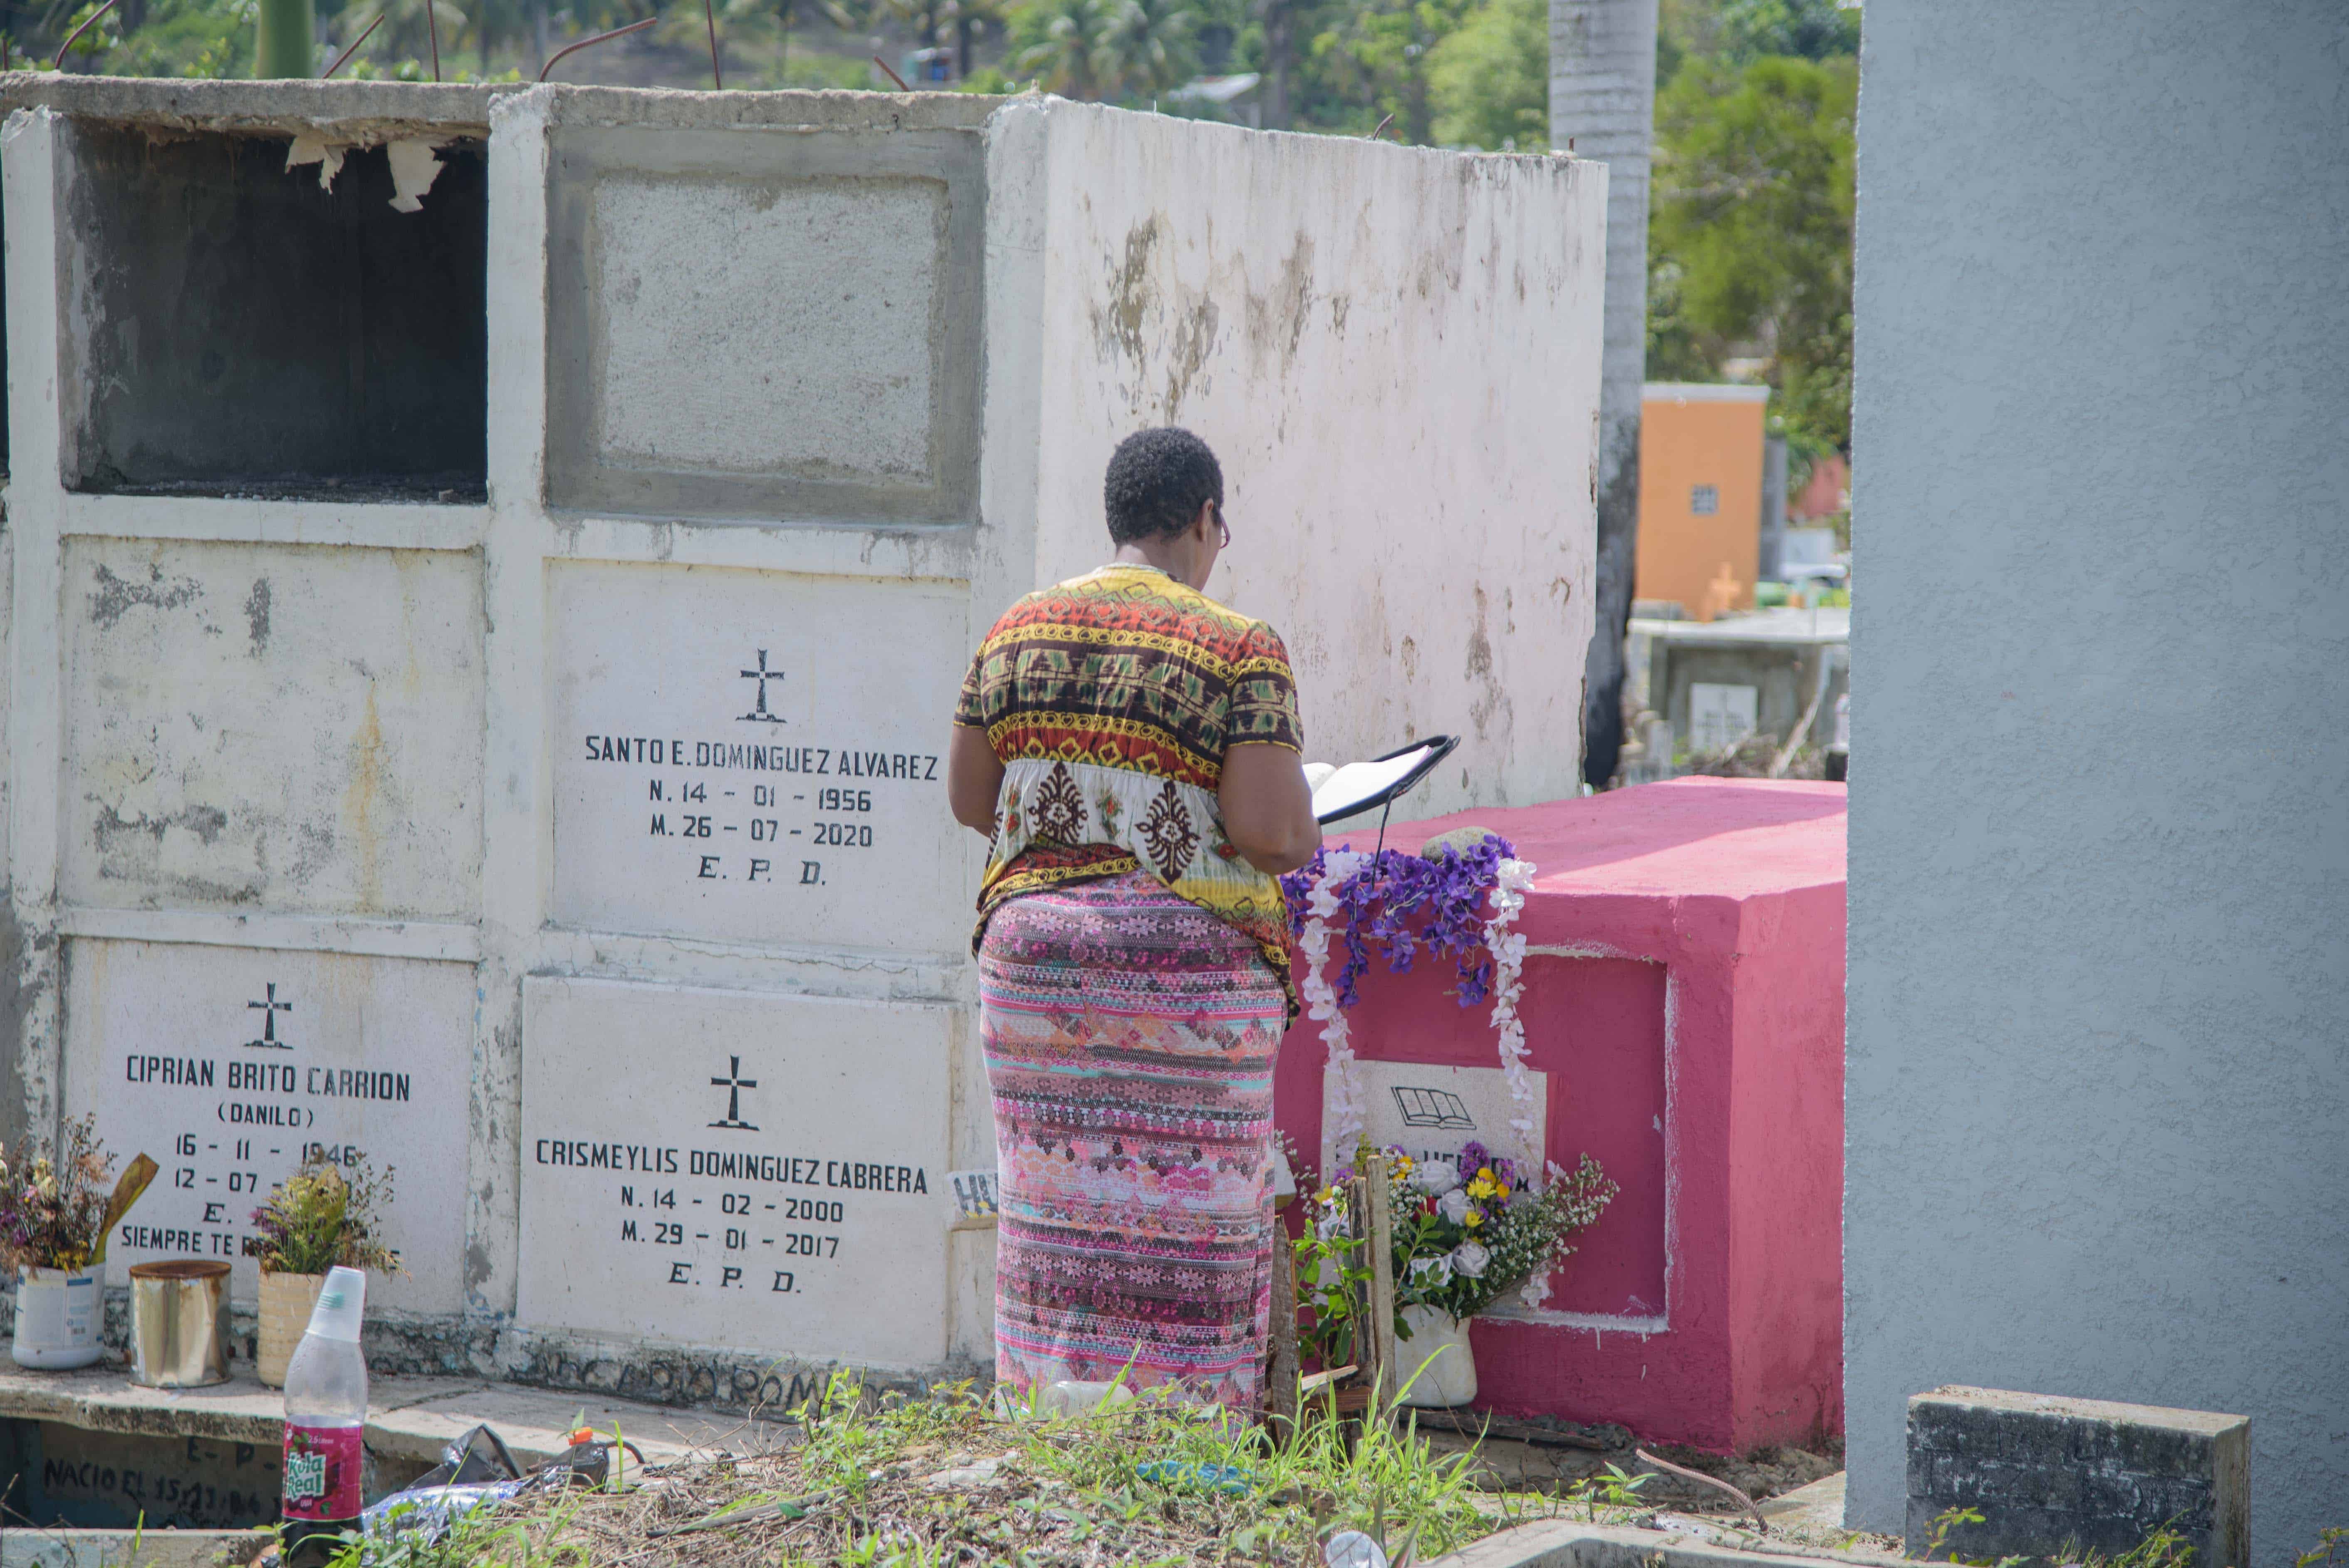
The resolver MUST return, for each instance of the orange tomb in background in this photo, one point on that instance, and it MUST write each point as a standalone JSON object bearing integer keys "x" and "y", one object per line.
{"x": 1701, "y": 495}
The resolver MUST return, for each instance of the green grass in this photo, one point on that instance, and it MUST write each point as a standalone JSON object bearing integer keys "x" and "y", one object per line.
{"x": 858, "y": 1483}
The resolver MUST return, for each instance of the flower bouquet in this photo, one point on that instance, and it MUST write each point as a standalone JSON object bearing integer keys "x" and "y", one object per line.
{"x": 55, "y": 1213}
{"x": 316, "y": 1220}
{"x": 1466, "y": 1234}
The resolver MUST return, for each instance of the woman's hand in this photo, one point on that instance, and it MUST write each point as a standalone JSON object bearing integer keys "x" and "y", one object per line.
{"x": 1268, "y": 810}
{"x": 974, "y": 780}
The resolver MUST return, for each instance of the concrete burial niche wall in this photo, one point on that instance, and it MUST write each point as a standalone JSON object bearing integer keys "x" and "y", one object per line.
{"x": 573, "y": 837}
{"x": 749, "y": 323}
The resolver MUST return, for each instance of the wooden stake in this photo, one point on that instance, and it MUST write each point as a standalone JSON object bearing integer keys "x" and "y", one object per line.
{"x": 1281, "y": 1364}
{"x": 1369, "y": 1166}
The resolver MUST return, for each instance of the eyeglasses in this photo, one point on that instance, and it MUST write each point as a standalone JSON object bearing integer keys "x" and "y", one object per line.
{"x": 1223, "y": 528}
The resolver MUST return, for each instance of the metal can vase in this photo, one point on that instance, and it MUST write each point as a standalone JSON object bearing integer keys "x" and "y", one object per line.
{"x": 179, "y": 1322}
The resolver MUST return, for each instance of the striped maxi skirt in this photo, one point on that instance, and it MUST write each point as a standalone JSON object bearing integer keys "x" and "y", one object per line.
{"x": 1130, "y": 1038}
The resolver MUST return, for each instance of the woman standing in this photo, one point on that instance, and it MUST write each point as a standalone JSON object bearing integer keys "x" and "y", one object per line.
{"x": 1132, "y": 749}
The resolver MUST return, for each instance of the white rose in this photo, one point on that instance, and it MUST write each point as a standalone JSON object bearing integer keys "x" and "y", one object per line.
{"x": 1435, "y": 1177}
{"x": 1468, "y": 1259}
{"x": 1433, "y": 1273}
{"x": 1453, "y": 1205}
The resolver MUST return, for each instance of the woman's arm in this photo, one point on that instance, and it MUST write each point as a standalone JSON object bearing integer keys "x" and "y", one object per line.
{"x": 1268, "y": 810}
{"x": 973, "y": 779}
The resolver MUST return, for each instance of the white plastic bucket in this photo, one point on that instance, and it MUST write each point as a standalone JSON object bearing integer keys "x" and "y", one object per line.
{"x": 1436, "y": 1360}
{"x": 58, "y": 1316}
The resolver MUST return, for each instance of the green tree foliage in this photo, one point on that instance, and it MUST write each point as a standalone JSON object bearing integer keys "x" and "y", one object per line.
{"x": 1491, "y": 79}
{"x": 1814, "y": 29}
{"x": 1119, "y": 50}
{"x": 1749, "y": 230}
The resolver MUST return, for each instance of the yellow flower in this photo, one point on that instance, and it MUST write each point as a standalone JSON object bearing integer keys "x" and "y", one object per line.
{"x": 1484, "y": 1173}
{"x": 1475, "y": 1218}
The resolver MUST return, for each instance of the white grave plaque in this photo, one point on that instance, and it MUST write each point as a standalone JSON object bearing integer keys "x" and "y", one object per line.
{"x": 225, "y": 1065}
{"x": 1433, "y": 1113}
{"x": 757, "y": 756}
{"x": 766, "y": 1173}
{"x": 1720, "y": 716}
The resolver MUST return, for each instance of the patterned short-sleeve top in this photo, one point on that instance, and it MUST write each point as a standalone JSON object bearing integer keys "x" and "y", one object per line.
{"x": 1110, "y": 699}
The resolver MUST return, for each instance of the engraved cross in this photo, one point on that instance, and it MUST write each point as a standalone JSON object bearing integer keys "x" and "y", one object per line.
{"x": 762, "y": 675}
{"x": 269, "y": 1011}
{"x": 734, "y": 1083}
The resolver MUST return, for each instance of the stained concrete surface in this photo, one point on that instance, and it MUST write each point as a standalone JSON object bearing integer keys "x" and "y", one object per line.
{"x": 2098, "y": 1063}
{"x": 271, "y": 726}
{"x": 756, "y": 325}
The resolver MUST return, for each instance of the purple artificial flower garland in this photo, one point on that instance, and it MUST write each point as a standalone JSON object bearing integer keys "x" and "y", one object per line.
{"x": 1399, "y": 899}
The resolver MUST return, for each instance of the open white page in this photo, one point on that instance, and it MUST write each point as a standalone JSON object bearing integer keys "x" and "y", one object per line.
{"x": 1357, "y": 783}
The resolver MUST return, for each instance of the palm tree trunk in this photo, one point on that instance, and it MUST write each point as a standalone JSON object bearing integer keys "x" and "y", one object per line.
{"x": 1602, "y": 98}
{"x": 1279, "y": 58}
{"x": 288, "y": 41}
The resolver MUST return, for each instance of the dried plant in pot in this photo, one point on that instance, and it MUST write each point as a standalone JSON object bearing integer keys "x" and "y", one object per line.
{"x": 319, "y": 1218}
{"x": 55, "y": 1213}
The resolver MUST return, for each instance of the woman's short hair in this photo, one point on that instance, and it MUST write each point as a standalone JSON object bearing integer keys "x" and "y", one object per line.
{"x": 1157, "y": 482}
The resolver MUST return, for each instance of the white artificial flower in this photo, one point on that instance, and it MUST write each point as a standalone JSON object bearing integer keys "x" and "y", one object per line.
{"x": 1433, "y": 1272}
{"x": 1453, "y": 1205}
{"x": 1468, "y": 1259}
{"x": 1434, "y": 1177}
{"x": 1333, "y": 1225}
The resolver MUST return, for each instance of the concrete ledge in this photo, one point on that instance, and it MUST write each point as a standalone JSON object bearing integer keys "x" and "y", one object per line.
{"x": 792, "y": 110}
{"x": 370, "y": 112}
{"x": 365, "y": 112}
{"x": 1570, "y": 1543}
{"x": 26, "y": 1548}
{"x": 408, "y": 1418}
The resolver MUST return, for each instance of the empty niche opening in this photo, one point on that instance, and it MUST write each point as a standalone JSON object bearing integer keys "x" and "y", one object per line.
{"x": 241, "y": 330}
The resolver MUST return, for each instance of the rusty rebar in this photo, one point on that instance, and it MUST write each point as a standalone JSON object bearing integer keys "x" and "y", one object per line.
{"x": 710, "y": 14}
{"x": 60, "y": 63}
{"x": 885, "y": 71}
{"x": 1382, "y": 126}
{"x": 354, "y": 49}
{"x": 1747, "y": 1502}
{"x": 432, "y": 26}
{"x": 600, "y": 37}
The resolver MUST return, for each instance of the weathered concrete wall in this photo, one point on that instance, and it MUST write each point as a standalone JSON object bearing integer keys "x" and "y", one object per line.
{"x": 1410, "y": 506}
{"x": 295, "y": 730}
{"x": 747, "y": 323}
{"x": 307, "y": 777}
{"x": 2100, "y": 889}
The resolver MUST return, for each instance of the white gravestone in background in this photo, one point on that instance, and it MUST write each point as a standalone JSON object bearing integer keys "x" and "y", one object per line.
{"x": 1433, "y": 1113}
{"x": 756, "y": 756}
{"x": 759, "y": 1172}
{"x": 226, "y": 1065}
{"x": 1720, "y": 716}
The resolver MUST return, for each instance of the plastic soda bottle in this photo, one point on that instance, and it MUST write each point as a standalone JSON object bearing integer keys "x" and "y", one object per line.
{"x": 326, "y": 1419}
